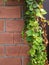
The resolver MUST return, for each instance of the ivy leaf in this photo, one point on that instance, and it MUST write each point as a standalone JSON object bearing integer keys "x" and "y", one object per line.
{"x": 22, "y": 34}
{"x": 33, "y": 23}
{"x": 38, "y": 13}
{"x": 27, "y": 12}
{"x": 32, "y": 52}
{"x": 43, "y": 47}
{"x": 35, "y": 46}
{"x": 30, "y": 8}
{"x": 35, "y": 5}
{"x": 43, "y": 11}
{"x": 35, "y": 42}
{"x": 39, "y": 39}
{"x": 29, "y": 33}
{"x": 29, "y": 38}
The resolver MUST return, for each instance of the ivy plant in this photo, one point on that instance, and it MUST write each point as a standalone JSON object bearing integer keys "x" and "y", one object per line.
{"x": 33, "y": 31}
{"x": 33, "y": 15}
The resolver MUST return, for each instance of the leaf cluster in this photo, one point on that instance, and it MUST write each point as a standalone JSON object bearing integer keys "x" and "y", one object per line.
{"x": 33, "y": 31}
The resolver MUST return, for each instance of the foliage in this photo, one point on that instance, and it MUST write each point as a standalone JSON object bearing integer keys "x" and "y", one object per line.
{"x": 33, "y": 31}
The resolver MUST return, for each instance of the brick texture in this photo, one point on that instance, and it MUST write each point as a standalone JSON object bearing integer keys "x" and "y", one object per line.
{"x": 10, "y": 12}
{"x": 2, "y": 51}
{"x": 10, "y": 61}
{"x": 1, "y": 2}
{"x": 1, "y": 25}
{"x": 25, "y": 61}
{"x": 15, "y": 2}
{"x": 6, "y": 38}
{"x": 17, "y": 50}
{"x": 14, "y": 25}
{"x": 17, "y": 38}
{"x": 13, "y": 48}
{"x": 10, "y": 2}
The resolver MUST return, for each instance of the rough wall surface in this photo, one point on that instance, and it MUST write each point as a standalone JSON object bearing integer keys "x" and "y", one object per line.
{"x": 13, "y": 49}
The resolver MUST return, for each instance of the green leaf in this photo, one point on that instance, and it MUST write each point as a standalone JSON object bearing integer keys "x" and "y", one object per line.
{"x": 30, "y": 8}
{"x": 34, "y": 13}
{"x": 22, "y": 34}
{"x": 43, "y": 11}
{"x": 29, "y": 39}
{"x": 29, "y": 33}
{"x": 32, "y": 52}
{"x": 38, "y": 13}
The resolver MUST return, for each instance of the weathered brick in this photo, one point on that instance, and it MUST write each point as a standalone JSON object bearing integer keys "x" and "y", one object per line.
{"x": 10, "y": 2}
{"x": 1, "y": 2}
{"x": 6, "y": 38}
{"x": 25, "y": 61}
{"x": 1, "y": 25}
{"x": 12, "y": 34}
{"x": 10, "y": 61}
{"x": 24, "y": 40}
{"x": 14, "y": 25}
{"x": 10, "y": 12}
{"x": 17, "y": 50}
{"x": 2, "y": 51}
{"x": 17, "y": 38}
{"x": 15, "y": 2}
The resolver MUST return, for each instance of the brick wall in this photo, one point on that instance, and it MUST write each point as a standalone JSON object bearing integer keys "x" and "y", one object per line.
{"x": 13, "y": 49}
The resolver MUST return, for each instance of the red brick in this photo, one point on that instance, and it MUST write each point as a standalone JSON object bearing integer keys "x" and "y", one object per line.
{"x": 1, "y": 2}
{"x": 24, "y": 40}
{"x": 10, "y": 12}
{"x": 1, "y": 25}
{"x": 26, "y": 60}
{"x": 10, "y": 61}
{"x": 14, "y": 25}
{"x": 2, "y": 51}
{"x": 6, "y": 38}
{"x": 15, "y": 2}
{"x": 17, "y": 50}
{"x": 18, "y": 38}
{"x": 10, "y": 2}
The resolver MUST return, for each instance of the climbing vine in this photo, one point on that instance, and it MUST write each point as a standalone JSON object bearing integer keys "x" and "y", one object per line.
{"x": 34, "y": 31}
{"x": 34, "y": 17}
